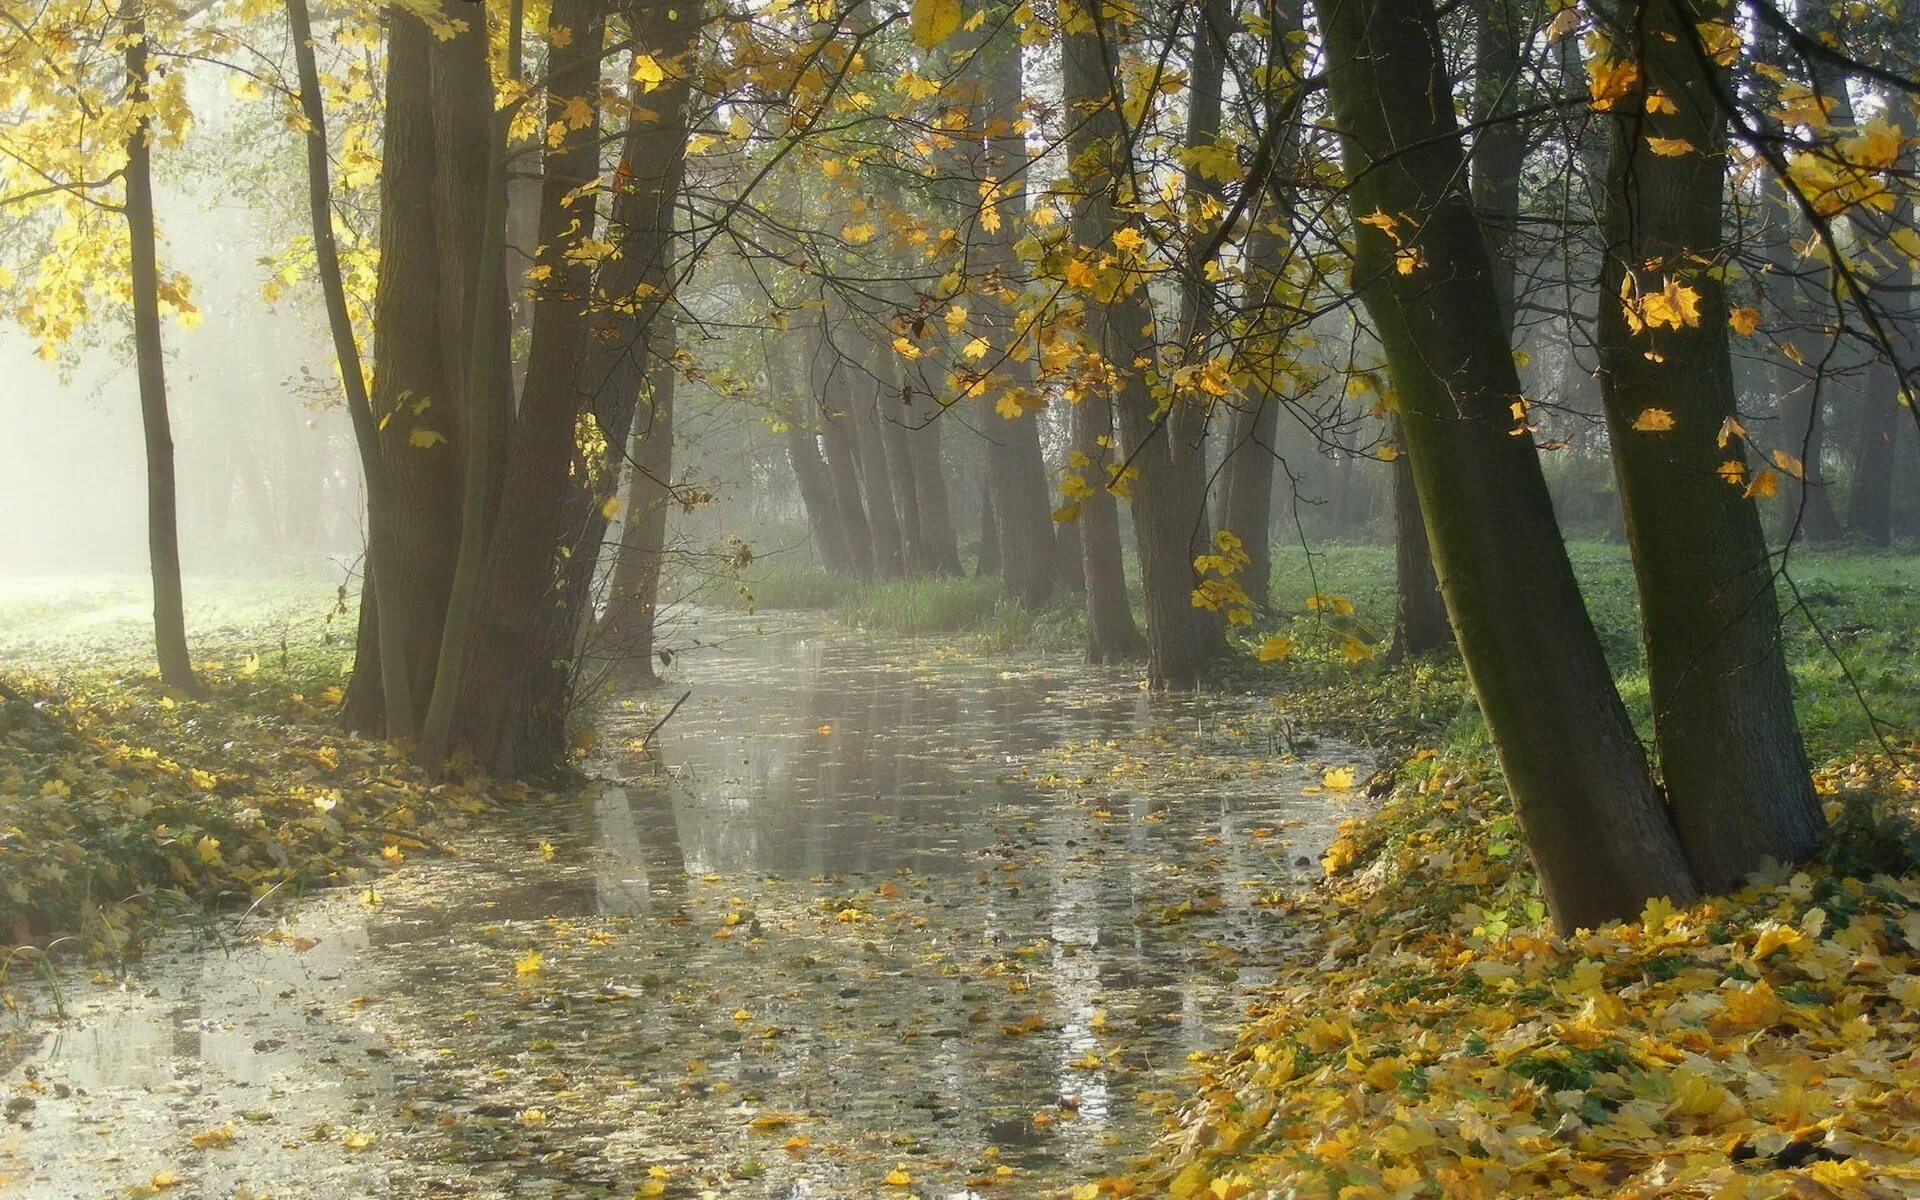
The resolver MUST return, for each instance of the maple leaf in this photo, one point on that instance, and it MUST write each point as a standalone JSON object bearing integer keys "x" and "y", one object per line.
{"x": 931, "y": 22}
{"x": 1653, "y": 420}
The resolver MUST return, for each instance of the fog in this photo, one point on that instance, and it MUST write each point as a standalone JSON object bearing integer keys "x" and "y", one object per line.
{"x": 267, "y": 479}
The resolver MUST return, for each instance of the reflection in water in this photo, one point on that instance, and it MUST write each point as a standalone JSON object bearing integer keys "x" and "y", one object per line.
{"x": 849, "y": 894}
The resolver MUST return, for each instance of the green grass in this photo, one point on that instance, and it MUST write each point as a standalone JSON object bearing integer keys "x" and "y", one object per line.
{"x": 1866, "y": 603}
{"x": 66, "y": 624}
{"x": 971, "y": 606}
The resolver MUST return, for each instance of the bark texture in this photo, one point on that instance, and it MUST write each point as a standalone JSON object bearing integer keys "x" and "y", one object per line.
{"x": 1595, "y": 826}
{"x": 163, "y": 522}
{"x": 1181, "y": 639}
{"x": 1735, "y": 768}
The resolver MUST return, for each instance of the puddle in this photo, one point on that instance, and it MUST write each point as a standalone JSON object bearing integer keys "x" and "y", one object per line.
{"x": 874, "y": 917}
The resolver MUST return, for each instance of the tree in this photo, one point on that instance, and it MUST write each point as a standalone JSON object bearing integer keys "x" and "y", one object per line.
{"x": 1736, "y": 771}
{"x": 1595, "y": 825}
{"x": 1118, "y": 319}
{"x": 384, "y": 571}
{"x": 163, "y": 526}
{"x": 1016, "y": 473}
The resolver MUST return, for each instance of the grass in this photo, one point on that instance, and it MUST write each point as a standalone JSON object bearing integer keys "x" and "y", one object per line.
{"x": 970, "y": 606}
{"x": 1851, "y": 620}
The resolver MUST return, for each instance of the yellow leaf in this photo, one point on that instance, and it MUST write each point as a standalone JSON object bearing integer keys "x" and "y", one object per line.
{"x": 1653, "y": 420}
{"x": 1339, "y": 778}
{"x": 1733, "y": 471}
{"x": 209, "y": 1139}
{"x": 610, "y": 509}
{"x": 359, "y": 1139}
{"x": 1729, "y": 429}
{"x": 898, "y": 1177}
{"x": 1342, "y": 854}
{"x": 529, "y": 963}
{"x": 1744, "y": 320}
{"x": 1669, "y": 147}
{"x": 1610, "y": 80}
{"x": 425, "y": 439}
{"x": 162, "y": 1180}
{"x": 1274, "y": 649}
{"x": 1788, "y": 463}
{"x": 931, "y": 22}
{"x": 1067, "y": 512}
{"x": 976, "y": 349}
{"x": 647, "y": 73}
{"x": 1129, "y": 240}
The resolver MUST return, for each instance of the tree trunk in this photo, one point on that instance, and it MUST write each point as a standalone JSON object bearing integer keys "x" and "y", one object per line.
{"x": 930, "y": 485}
{"x": 1499, "y": 148}
{"x": 891, "y": 415}
{"x": 1499, "y": 152}
{"x": 1187, "y": 424}
{"x": 876, "y": 484}
{"x": 163, "y": 532}
{"x": 1181, "y": 638}
{"x": 633, "y": 596}
{"x": 1736, "y": 770}
{"x": 1015, "y": 470}
{"x": 501, "y": 692}
{"x": 1111, "y": 632}
{"x": 831, "y": 381}
{"x": 987, "y": 561}
{"x": 466, "y": 196}
{"x": 1870, "y": 503}
{"x": 632, "y": 349}
{"x": 1420, "y": 623}
{"x": 1247, "y": 506}
{"x": 420, "y": 518}
{"x": 1595, "y": 826}
{"x": 383, "y": 572}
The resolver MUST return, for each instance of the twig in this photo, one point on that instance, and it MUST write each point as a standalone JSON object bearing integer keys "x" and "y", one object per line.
{"x": 648, "y": 740}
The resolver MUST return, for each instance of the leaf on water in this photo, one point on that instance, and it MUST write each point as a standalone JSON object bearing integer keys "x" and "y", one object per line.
{"x": 215, "y": 1138}
{"x": 529, "y": 963}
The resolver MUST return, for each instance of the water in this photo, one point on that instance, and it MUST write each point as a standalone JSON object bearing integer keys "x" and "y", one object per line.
{"x": 867, "y": 909}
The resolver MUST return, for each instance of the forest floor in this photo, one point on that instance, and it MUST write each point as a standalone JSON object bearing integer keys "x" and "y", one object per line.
{"x": 966, "y": 1005}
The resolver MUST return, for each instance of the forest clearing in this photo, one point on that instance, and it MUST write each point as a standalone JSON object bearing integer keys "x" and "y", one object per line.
{"x": 952, "y": 599}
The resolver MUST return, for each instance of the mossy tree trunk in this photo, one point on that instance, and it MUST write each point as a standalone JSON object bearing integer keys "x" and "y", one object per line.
{"x": 1594, "y": 822}
{"x": 1730, "y": 750}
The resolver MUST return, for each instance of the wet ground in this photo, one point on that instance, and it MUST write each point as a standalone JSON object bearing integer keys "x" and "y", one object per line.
{"x": 869, "y": 917}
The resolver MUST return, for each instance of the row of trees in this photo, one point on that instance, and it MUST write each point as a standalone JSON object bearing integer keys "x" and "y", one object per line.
{"x": 1134, "y": 247}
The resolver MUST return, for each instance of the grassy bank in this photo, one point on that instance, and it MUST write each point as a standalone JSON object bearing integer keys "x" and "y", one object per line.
{"x": 1851, "y": 629}
{"x": 1435, "y": 1038}
{"x": 973, "y": 607}
{"x": 122, "y": 802}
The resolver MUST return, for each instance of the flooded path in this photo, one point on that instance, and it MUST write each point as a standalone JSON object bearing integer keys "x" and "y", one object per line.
{"x": 874, "y": 917}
